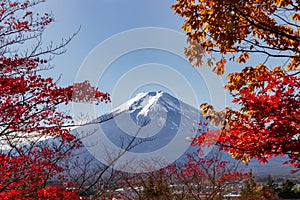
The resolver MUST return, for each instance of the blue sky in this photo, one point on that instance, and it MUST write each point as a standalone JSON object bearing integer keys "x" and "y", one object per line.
{"x": 99, "y": 20}
{"x": 102, "y": 19}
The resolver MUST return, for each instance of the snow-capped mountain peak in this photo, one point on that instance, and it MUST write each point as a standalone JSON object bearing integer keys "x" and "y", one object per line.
{"x": 146, "y": 102}
{"x": 148, "y": 105}
{"x": 155, "y": 111}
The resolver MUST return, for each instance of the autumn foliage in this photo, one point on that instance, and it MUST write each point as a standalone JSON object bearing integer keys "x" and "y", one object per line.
{"x": 29, "y": 108}
{"x": 235, "y": 29}
{"x": 223, "y": 33}
{"x": 267, "y": 123}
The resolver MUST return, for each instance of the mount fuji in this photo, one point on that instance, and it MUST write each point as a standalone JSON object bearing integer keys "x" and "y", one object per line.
{"x": 149, "y": 126}
{"x": 155, "y": 117}
{"x": 160, "y": 125}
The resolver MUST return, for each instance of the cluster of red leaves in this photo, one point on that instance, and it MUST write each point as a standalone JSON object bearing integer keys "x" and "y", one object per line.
{"x": 23, "y": 177}
{"x": 268, "y": 121}
{"x": 29, "y": 101}
{"x": 29, "y": 108}
{"x": 25, "y": 21}
{"x": 43, "y": 193}
{"x": 213, "y": 169}
{"x": 18, "y": 24}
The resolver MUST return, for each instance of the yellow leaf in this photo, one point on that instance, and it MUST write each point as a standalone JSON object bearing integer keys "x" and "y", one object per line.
{"x": 295, "y": 16}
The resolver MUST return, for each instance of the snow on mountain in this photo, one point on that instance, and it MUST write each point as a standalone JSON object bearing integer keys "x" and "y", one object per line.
{"x": 162, "y": 124}
{"x": 153, "y": 125}
{"x": 160, "y": 115}
{"x": 147, "y": 105}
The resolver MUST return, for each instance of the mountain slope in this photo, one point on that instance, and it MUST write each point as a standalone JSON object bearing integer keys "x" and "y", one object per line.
{"x": 150, "y": 126}
{"x": 154, "y": 125}
{"x": 160, "y": 117}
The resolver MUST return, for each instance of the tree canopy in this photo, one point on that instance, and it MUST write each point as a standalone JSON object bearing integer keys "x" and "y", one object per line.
{"x": 29, "y": 107}
{"x": 221, "y": 32}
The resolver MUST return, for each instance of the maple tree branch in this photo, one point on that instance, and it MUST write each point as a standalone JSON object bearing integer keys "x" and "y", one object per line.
{"x": 128, "y": 147}
{"x": 258, "y": 23}
{"x": 296, "y": 73}
{"x": 258, "y": 51}
{"x": 284, "y": 20}
{"x": 270, "y": 48}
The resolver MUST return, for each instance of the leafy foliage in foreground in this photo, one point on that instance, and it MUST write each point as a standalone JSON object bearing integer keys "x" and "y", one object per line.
{"x": 267, "y": 121}
{"x": 29, "y": 107}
